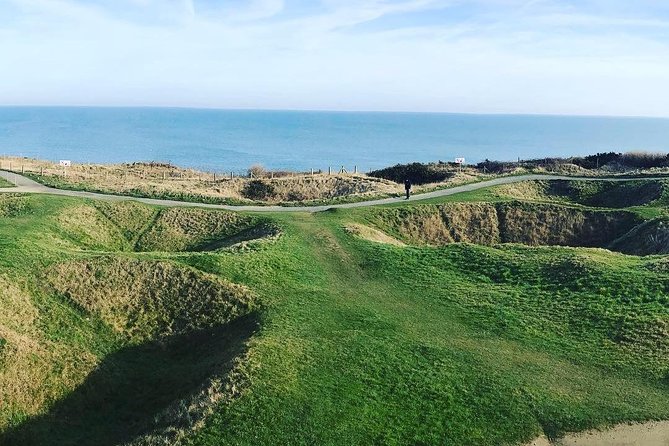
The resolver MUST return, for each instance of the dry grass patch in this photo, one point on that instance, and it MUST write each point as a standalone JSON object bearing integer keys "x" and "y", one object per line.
{"x": 160, "y": 180}
{"x": 490, "y": 224}
{"x": 150, "y": 299}
{"x": 543, "y": 224}
{"x": 371, "y": 234}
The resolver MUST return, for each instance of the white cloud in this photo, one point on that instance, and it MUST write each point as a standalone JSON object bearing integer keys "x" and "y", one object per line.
{"x": 484, "y": 56}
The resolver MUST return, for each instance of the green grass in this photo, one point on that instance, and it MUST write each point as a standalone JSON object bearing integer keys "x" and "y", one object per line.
{"x": 5, "y": 183}
{"x": 365, "y": 343}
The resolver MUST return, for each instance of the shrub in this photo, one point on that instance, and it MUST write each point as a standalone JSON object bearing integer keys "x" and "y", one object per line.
{"x": 258, "y": 190}
{"x": 257, "y": 171}
{"x": 418, "y": 173}
{"x": 597, "y": 160}
{"x": 644, "y": 160}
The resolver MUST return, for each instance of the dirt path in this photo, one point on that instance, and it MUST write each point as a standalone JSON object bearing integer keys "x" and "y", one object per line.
{"x": 26, "y": 185}
{"x": 646, "y": 434}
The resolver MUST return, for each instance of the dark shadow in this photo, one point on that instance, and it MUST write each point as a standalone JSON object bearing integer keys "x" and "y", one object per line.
{"x": 119, "y": 400}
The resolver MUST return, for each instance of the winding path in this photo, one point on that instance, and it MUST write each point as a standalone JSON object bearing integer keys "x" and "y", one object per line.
{"x": 26, "y": 185}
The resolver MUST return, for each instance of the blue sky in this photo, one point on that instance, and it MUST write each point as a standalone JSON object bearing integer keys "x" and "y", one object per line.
{"x": 602, "y": 57}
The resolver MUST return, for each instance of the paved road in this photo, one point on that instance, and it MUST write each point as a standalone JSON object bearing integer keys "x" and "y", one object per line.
{"x": 26, "y": 185}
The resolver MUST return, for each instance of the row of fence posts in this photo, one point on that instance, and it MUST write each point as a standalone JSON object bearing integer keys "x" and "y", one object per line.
{"x": 215, "y": 176}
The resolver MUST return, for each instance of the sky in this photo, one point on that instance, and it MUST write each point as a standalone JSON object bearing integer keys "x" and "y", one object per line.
{"x": 582, "y": 57}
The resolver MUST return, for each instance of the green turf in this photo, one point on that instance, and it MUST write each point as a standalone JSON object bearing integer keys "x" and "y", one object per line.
{"x": 5, "y": 183}
{"x": 365, "y": 343}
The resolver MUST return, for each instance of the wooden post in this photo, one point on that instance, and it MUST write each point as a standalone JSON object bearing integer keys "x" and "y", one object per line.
{"x": 164, "y": 176}
{"x": 232, "y": 175}
{"x": 312, "y": 171}
{"x": 329, "y": 170}
{"x": 21, "y": 169}
{"x": 214, "y": 177}
{"x": 355, "y": 169}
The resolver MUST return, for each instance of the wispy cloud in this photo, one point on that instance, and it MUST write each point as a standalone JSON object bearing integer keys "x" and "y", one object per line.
{"x": 559, "y": 56}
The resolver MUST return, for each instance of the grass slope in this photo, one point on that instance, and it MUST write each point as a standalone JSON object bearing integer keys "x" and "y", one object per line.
{"x": 359, "y": 342}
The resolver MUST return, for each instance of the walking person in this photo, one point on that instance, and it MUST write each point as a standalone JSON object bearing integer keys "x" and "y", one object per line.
{"x": 407, "y": 187}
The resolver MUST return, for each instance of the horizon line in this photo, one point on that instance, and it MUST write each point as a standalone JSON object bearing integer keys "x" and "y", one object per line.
{"x": 318, "y": 110}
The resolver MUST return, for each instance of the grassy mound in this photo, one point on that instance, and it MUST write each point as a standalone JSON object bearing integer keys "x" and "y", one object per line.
{"x": 589, "y": 193}
{"x": 179, "y": 229}
{"x": 149, "y": 299}
{"x": 34, "y": 369}
{"x": 129, "y": 226}
{"x": 515, "y": 222}
{"x": 131, "y": 217}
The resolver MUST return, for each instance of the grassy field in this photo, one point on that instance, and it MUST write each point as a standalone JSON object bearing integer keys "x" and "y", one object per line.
{"x": 5, "y": 183}
{"x": 131, "y": 323}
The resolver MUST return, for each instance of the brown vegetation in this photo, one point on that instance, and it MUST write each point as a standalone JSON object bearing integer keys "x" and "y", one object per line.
{"x": 161, "y": 180}
{"x": 515, "y": 222}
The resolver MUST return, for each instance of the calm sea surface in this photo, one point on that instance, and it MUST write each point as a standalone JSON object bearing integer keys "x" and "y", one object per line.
{"x": 227, "y": 140}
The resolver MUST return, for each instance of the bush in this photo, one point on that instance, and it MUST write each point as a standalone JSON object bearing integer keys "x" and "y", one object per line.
{"x": 644, "y": 160}
{"x": 258, "y": 190}
{"x": 418, "y": 173}
{"x": 494, "y": 166}
{"x": 597, "y": 160}
{"x": 257, "y": 171}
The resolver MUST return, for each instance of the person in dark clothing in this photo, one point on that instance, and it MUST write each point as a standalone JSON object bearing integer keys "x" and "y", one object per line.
{"x": 407, "y": 187}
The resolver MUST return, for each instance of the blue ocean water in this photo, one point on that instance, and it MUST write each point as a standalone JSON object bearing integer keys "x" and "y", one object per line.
{"x": 233, "y": 140}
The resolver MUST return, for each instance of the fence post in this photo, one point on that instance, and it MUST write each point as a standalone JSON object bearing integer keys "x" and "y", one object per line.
{"x": 232, "y": 175}
{"x": 329, "y": 170}
{"x": 355, "y": 169}
{"x": 312, "y": 171}
{"x": 41, "y": 171}
{"x": 21, "y": 169}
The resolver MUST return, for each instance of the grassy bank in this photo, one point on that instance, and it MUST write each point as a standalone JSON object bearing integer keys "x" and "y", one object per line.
{"x": 317, "y": 335}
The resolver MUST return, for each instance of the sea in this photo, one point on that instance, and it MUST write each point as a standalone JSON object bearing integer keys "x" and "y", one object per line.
{"x": 233, "y": 140}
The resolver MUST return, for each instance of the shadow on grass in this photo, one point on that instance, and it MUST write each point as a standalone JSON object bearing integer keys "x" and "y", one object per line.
{"x": 119, "y": 400}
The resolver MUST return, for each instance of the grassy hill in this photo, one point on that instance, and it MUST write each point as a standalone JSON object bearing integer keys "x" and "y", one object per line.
{"x": 124, "y": 323}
